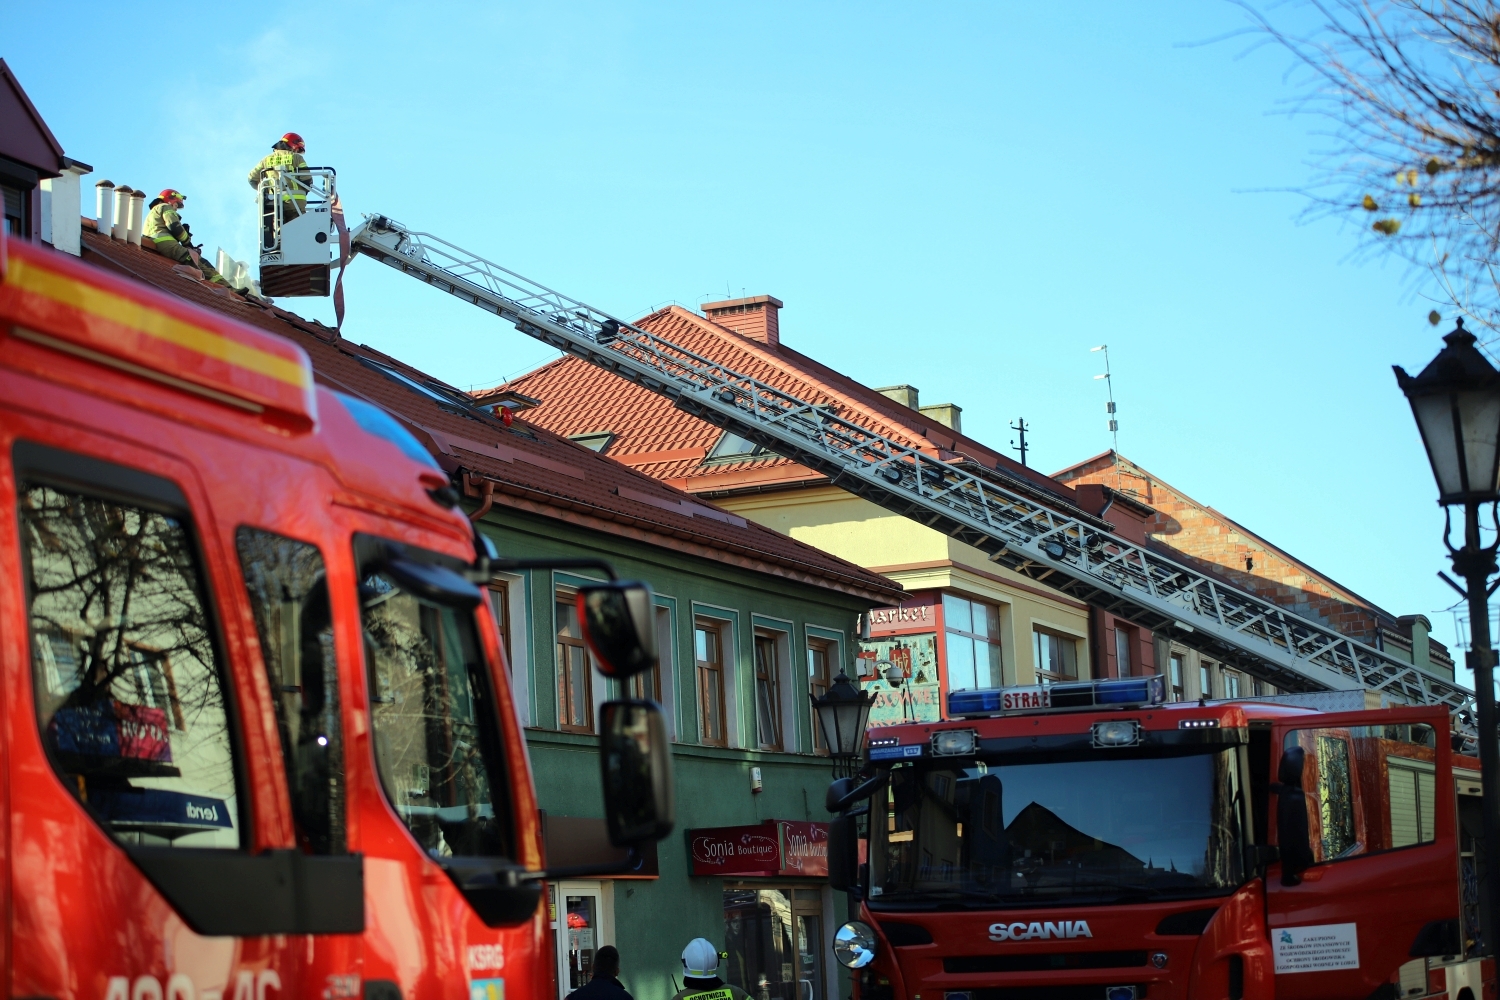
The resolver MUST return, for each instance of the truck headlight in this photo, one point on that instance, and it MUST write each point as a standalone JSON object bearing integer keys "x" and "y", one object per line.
{"x": 1126, "y": 733}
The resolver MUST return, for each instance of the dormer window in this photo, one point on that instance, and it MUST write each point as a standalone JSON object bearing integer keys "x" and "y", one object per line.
{"x": 595, "y": 440}
{"x": 733, "y": 448}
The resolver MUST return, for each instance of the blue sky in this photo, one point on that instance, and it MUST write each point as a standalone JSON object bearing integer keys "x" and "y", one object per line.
{"x": 963, "y": 197}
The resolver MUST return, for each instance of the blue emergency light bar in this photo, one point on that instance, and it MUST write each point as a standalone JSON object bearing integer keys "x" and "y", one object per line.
{"x": 1073, "y": 696}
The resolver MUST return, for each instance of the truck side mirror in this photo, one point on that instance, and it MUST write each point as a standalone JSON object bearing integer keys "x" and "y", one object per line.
{"x": 1291, "y": 817}
{"x": 619, "y": 626}
{"x": 843, "y": 853}
{"x": 636, "y": 767}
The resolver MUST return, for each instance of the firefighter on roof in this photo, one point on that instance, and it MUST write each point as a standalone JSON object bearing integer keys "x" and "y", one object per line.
{"x": 700, "y": 975}
{"x": 286, "y": 159}
{"x": 165, "y": 229}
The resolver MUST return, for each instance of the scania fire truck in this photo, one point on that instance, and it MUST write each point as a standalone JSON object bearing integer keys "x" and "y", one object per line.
{"x": 257, "y": 740}
{"x": 1089, "y": 840}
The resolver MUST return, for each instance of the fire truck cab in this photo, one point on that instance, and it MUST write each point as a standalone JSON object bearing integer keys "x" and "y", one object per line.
{"x": 1088, "y": 840}
{"x": 257, "y": 737}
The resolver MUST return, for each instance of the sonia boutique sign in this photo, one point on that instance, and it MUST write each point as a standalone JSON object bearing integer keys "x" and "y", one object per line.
{"x": 777, "y": 847}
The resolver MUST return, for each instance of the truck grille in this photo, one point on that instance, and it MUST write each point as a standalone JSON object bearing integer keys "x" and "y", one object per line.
{"x": 1052, "y": 992}
{"x": 1044, "y": 963}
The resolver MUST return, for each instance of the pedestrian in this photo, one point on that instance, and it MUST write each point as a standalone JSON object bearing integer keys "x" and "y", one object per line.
{"x": 604, "y": 982}
{"x": 171, "y": 238}
{"x": 700, "y": 975}
{"x": 285, "y": 158}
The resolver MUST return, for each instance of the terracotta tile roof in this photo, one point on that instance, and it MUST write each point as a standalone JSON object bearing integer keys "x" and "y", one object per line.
{"x": 522, "y": 467}
{"x": 653, "y": 436}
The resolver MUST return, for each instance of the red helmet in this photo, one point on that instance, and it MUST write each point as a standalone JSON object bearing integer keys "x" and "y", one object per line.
{"x": 294, "y": 140}
{"x": 168, "y": 194}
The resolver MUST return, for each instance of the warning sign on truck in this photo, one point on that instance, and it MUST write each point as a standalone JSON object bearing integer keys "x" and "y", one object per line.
{"x": 1315, "y": 948}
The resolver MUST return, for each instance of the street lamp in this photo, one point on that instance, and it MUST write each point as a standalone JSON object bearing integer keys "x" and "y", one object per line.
{"x": 1456, "y": 401}
{"x": 843, "y": 713}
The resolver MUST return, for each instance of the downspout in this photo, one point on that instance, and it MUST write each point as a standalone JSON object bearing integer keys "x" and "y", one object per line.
{"x": 487, "y": 501}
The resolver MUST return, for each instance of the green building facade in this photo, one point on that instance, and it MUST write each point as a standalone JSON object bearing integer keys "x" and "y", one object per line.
{"x": 766, "y": 639}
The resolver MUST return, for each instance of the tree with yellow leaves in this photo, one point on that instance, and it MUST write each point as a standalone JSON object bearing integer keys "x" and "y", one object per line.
{"x": 1411, "y": 87}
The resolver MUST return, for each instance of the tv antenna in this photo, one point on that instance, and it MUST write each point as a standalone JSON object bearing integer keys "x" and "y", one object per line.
{"x": 1109, "y": 407}
{"x": 1020, "y": 427}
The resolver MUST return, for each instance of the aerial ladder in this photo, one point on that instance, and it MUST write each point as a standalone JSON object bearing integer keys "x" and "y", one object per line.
{"x": 1069, "y": 551}
{"x": 299, "y": 218}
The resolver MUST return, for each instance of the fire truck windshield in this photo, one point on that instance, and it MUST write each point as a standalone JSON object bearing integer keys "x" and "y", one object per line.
{"x": 1095, "y": 830}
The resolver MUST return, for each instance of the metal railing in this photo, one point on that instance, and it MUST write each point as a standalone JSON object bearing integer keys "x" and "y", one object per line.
{"x": 1067, "y": 550}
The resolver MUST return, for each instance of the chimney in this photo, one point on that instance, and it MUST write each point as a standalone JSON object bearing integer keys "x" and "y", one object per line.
{"x": 121, "y": 228}
{"x": 137, "y": 217}
{"x": 104, "y": 213}
{"x": 946, "y": 414}
{"x": 755, "y": 317}
{"x": 906, "y": 395}
{"x": 62, "y": 207}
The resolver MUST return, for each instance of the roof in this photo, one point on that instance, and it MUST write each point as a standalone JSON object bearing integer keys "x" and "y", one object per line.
{"x": 25, "y": 137}
{"x": 652, "y": 435}
{"x": 520, "y": 467}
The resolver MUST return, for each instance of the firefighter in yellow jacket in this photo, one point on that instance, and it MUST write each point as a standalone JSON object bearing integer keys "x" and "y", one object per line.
{"x": 700, "y": 975}
{"x": 165, "y": 229}
{"x": 285, "y": 157}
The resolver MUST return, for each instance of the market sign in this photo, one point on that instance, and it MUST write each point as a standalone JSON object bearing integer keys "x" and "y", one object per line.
{"x": 776, "y": 847}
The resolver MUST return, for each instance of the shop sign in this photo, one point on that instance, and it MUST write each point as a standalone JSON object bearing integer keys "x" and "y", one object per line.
{"x": 770, "y": 849}
{"x": 804, "y": 848}
{"x": 913, "y": 616}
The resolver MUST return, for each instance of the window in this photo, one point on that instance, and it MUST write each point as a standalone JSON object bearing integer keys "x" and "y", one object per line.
{"x": 1176, "y": 671}
{"x": 708, "y": 650}
{"x": 647, "y": 684}
{"x": 732, "y": 448}
{"x": 598, "y": 441}
{"x": 1124, "y": 637}
{"x": 819, "y": 680}
{"x": 433, "y": 718}
{"x": 127, "y": 679}
{"x": 1349, "y": 814}
{"x": 1205, "y": 679}
{"x": 1231, "y": 684}
{"x": 288, "y": 591}
{"x": 575, "y": 693}
{"x": 500, "y": 608}
{"x": 973, "y": 644}
{"x": 768, "y": 691}
{"x": 1056, "y": 656}
{"x": 774, "y": 940}
{"x": 17, "y": 202}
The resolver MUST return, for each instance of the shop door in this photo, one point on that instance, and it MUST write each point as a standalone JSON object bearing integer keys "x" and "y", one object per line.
{"x": 582, "y": 925}
{"x": 774, "y": 937}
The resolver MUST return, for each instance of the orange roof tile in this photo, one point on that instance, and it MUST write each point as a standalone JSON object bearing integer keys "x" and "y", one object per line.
{"x": 523, "y": 467}
{"x": 668, "y": 444}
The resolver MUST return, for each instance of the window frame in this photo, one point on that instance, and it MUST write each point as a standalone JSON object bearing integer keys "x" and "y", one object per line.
{"x": 772, "y": 679}
{"x": 1047, "y": 676}
{"x": 566, "y": 595}
{"x": 716, "y": 628}
{"x": 1177, "y": 676}
{"x": 1124, "y": 646}
{"x": 992, "y": 613}
{"x": 816, "y": 686}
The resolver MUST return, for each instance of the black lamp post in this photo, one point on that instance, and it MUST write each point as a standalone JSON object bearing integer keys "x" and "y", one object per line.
{"x": 1456, "y": 401}
{"x": 843, "y": 713}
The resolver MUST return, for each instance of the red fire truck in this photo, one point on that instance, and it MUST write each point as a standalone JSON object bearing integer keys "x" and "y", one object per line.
{"x": 257, "y": 737}
{"x": 1088, "y": 840}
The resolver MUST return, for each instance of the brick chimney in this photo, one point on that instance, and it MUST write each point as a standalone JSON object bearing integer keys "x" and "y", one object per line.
{"x": 755, "y": 317}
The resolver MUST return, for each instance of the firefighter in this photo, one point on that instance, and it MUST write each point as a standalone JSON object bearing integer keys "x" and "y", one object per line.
{"x": 285, "y": 156}
{"x": 700, "y": 975}
{"x": 165, "y": 229}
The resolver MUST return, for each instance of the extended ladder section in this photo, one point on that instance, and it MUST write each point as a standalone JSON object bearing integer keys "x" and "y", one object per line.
{"x": 1008, "y": 519}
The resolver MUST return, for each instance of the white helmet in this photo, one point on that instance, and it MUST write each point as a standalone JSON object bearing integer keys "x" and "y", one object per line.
{"x": 700, "y": 959}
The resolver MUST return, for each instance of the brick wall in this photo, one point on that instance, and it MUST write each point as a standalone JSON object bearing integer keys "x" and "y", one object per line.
{"x": 1182, "y": 527}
